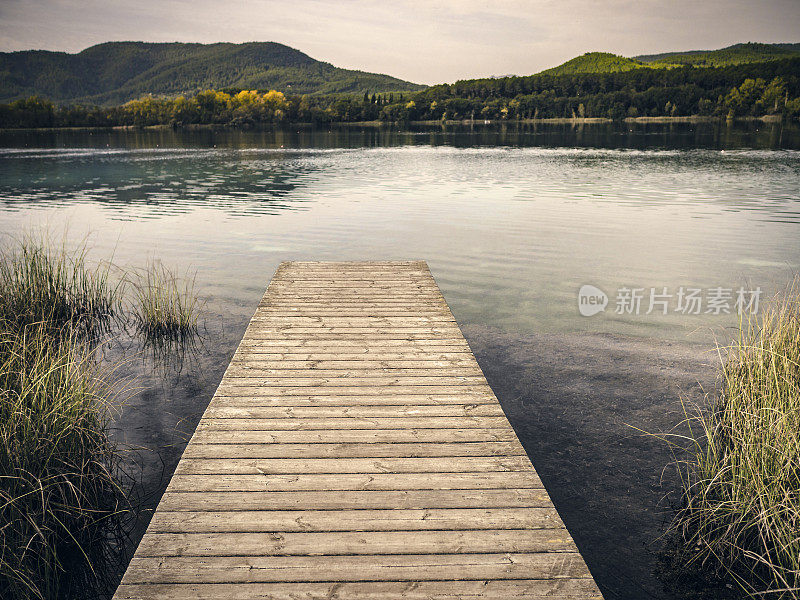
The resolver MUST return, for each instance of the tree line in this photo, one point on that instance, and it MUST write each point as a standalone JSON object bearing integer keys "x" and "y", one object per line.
{"x": 235, "y": 108}
{"x": 748, "y": 89}
{"x": 770, "y": 88}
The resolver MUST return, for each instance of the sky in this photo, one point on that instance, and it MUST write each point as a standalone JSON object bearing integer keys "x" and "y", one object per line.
{"x": 425, "y": 41}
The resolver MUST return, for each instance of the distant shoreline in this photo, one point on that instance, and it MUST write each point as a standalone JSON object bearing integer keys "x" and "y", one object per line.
{"x": 552, "y": 121}
{"x": 593, "y": 120}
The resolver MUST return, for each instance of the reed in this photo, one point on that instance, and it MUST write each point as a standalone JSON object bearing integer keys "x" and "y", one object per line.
{"x": 61, "y": 498}
{"x": 64, "y": 503}
{"x": 740, "y": 513}
{"x": 165, "y": 306}
{"x": 50, "y": 285}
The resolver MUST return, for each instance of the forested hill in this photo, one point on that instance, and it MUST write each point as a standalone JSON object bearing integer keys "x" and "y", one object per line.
{"x": 732, "y": 55}
{"x": 738, "y": 54}
{"x": 747, "y": 89}
{"x": 595, "y": 62}
{"x": 771, "y": 87}
{"x": 115, "y": 72}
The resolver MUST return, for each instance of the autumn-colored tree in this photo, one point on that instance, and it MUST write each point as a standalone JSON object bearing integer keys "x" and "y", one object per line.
{"x": 774, "y": 96}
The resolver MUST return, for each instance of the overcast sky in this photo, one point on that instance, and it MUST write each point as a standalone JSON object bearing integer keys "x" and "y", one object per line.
{"x": 425, "y": 41}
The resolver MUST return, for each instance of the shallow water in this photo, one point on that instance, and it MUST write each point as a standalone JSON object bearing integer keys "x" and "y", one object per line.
{"x": 512, "y": 221}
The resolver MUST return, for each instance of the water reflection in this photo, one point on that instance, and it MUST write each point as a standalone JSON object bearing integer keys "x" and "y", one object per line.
{"x": 147, "y": 184}
{"x": 716, "y": 135}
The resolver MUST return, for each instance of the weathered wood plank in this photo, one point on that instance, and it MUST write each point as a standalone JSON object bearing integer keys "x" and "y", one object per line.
{"x": 224, "y": 410}
{"x": 353, "y": 450}
{"x": 353, "y": 352}
{"x": 364, "y": 436}
{"x": 354, "y": 542}
{"x": 340, "y": 345}
{"x": 575, "y": 588}
{"x": 344, "y": 331}
{"x": 354, "y": 520}
{"x": 252, "y": 569}
{"x": 350, "y": 400}
{"x": 245, "y": 372}
{"x": 361, "y": 306}
{"x": 356, "y": 311}
{"x": 351, "y": 391}
{"x": 358, "y": 499}
{"x": 367, "y": 382}
{"x": 266, "y": 482}
{"x": 324, "y": 284}
{"x": 276, "y": 356}
{"x": 359, "y": 362}
{"x": 360, "y": 321}
{"x": 347, "y": 303}
{"x": 404, "y": 423}
{"x": 264, "y": 466}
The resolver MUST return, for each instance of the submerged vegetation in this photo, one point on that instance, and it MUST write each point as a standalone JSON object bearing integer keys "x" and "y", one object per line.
{"x": 740, "y": 516}
{"x": 738, "y": 90}
{"x": 63, "y": 496}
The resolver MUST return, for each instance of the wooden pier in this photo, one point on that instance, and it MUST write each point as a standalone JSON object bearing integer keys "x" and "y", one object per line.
{"x": 354, "y": 450}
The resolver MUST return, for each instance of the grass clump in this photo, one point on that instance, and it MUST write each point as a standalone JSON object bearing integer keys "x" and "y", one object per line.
{"x": 166, "y": 306}
{"x": 54, "y": 288}
{"x": 740, "y": 514}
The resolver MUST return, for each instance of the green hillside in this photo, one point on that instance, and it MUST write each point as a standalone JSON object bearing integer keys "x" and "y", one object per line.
{"x": 732, "y": 55}
{"x": 115, "y": 72}
{"x": 595, "y": 62}
{"x": 751, "y": 89}
{"x": 738, "y": 54}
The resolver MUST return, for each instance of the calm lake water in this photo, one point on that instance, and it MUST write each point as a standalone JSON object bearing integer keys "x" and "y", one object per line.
{"x": 512, "y": 221}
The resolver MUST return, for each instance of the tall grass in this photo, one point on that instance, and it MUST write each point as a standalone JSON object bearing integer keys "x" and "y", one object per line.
{"x": 165, "y": 306}
{"x": 63, "y": 505}
{"x": 740, "y": 515}
{"x": 53, "y": 286}
{"x": 60, "y": 492}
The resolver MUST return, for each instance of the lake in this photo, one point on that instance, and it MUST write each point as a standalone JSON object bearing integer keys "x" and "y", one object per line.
{"x": 513, "y": 221}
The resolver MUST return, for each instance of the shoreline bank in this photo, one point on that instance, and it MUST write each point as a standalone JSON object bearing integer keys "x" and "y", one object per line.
{"x": 771, "y": 119}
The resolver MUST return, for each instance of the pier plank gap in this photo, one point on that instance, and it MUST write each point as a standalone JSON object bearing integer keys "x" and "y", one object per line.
{"x": 354, "y": 450}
